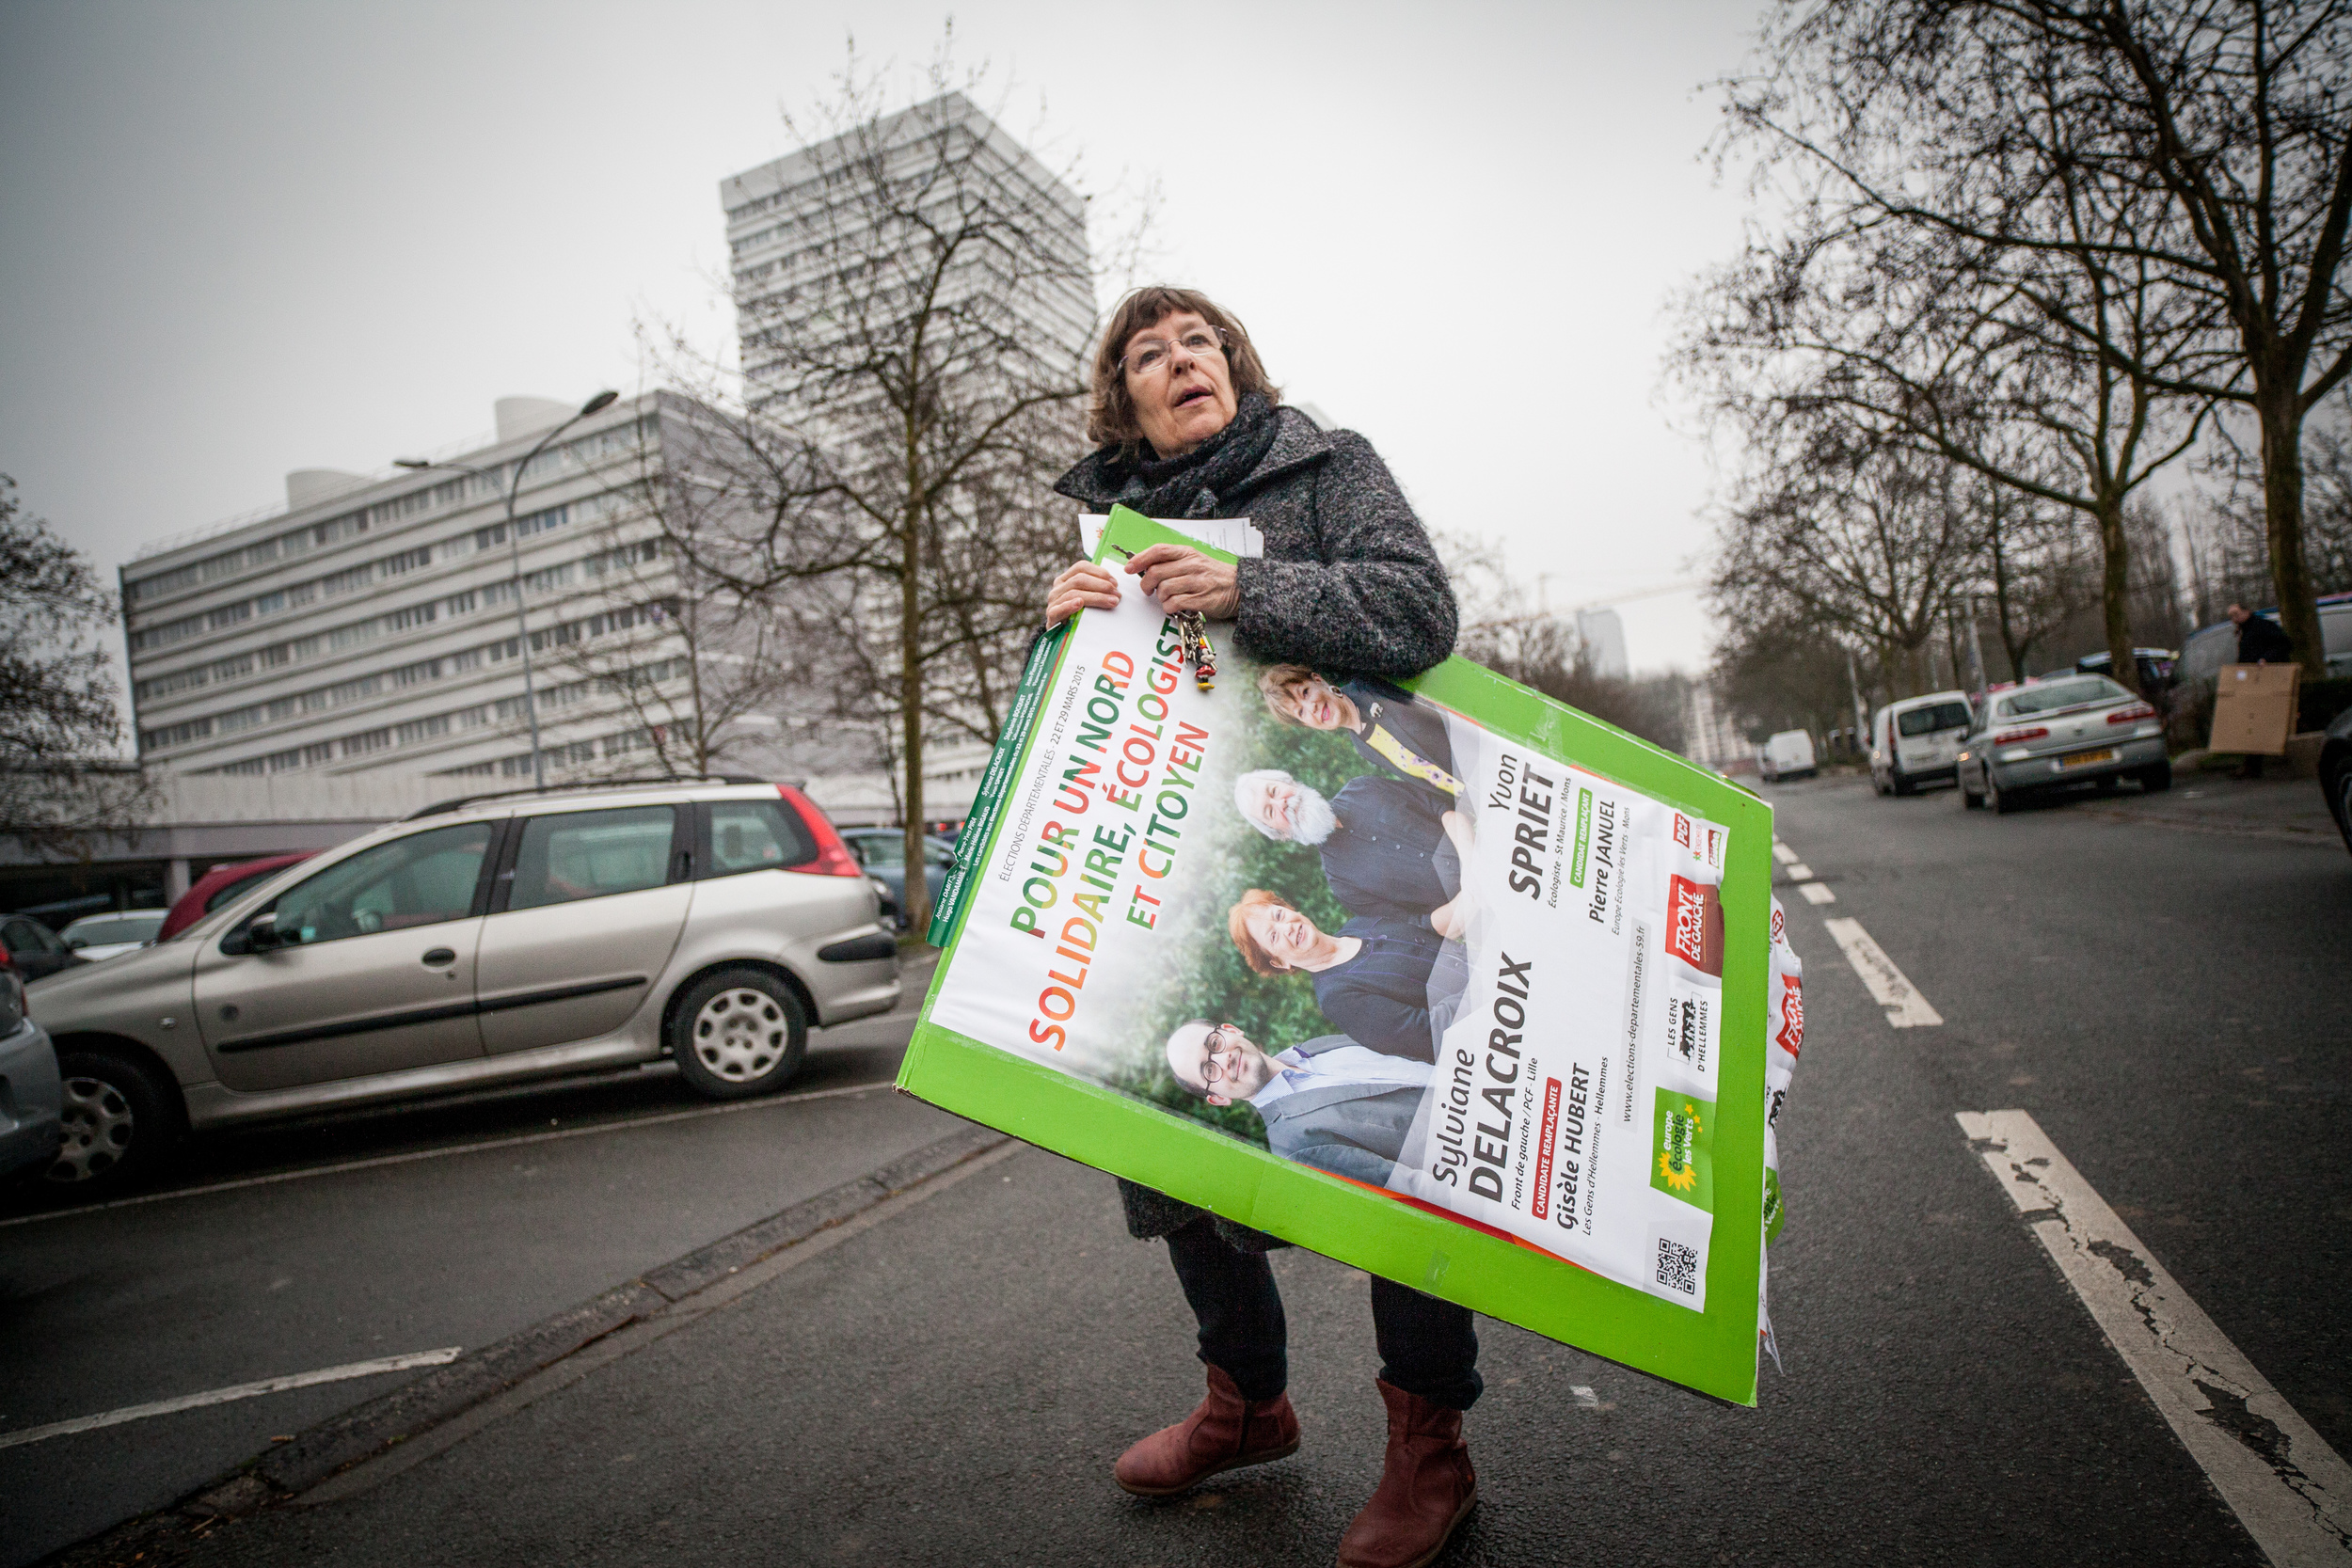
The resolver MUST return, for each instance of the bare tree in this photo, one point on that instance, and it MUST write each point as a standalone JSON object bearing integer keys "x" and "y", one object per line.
{"x": 2229, "y": 554}
{"x": 59, "y": 707}
{"x": 1504, "y": 631}
{"x": 707, "y": 677}
{"x": 1991, "y": 308}
{"x": 1864, "y": 543}
{"x": 907, "y": 406}
{"x": 2233, "y": 116}
{"x": 2041, "y": 570}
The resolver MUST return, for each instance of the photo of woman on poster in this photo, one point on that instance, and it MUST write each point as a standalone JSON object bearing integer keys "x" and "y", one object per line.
{"x": 1391, "y": 984}
{"x": 1389, "y": 725}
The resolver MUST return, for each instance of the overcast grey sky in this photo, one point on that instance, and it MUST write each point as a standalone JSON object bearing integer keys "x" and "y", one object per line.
{"x": 247, "y": 237}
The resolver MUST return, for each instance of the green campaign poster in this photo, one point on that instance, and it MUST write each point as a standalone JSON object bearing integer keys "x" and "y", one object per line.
{"x": 1445, "y": 980}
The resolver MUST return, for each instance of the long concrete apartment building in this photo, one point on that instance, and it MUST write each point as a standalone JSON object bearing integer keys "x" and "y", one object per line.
{"x": 370, "y": 624}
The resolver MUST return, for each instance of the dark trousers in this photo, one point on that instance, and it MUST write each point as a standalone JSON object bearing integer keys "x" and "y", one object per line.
{"x": 1427, "y": 1346}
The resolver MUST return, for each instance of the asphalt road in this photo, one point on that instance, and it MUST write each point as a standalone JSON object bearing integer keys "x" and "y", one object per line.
{"x": 347, "y": 1238}
{"x": 951, "y": 1384}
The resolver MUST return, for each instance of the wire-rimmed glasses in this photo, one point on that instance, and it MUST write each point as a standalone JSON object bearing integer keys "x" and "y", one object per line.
{"x": 1151, "y": 354}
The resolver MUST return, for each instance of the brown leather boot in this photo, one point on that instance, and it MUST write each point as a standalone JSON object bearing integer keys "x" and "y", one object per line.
{"x": 1225, "y": 1432}
{"x": 1426, "y": 1488}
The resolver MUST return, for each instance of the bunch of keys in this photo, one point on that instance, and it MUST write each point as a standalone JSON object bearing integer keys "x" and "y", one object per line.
{"x": 1192, "y": 632}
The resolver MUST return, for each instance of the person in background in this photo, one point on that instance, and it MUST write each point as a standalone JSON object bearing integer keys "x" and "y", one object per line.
{"x": 1189, "y": 425}
{"x": 2259, "y": 641}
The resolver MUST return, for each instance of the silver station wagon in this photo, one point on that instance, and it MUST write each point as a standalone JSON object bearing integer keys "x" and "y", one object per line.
{"x": 2072, "y": 729}
{"x": 483, "y": 941}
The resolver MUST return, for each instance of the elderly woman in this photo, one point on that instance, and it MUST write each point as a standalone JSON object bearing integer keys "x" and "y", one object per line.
{"x": 1189, "y": 426}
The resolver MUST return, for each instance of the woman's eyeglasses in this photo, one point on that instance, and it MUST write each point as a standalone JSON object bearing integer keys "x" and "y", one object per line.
{"x": 1151, "y": 354}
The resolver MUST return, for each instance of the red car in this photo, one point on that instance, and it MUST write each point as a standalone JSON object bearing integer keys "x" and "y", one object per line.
{"x": 219, "y": 885}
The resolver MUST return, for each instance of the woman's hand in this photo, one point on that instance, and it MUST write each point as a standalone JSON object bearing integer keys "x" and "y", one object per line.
{"x": 1083, "y": 586}
{"x": 1181, "y": 578}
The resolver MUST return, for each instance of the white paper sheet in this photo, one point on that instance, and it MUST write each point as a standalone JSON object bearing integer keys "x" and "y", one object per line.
{"x": 1232, "y": 535}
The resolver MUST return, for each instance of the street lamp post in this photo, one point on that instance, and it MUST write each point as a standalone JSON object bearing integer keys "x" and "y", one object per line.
{"x": 515, "y": 558}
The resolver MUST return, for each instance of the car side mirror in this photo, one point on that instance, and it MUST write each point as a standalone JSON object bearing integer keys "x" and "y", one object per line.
{"x": 74, "y": 944}
{"x": 261, "y": 934}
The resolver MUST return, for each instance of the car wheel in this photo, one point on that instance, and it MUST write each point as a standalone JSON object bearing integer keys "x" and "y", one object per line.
{"x": 2002, "y": 801}
{"x": 1968, "y": 798}
{"x": 738, "y": 1033}
{"x": 1900, "y": 781}
{"x": 2156, "y": 779}
{"x": 120, "y": 1120}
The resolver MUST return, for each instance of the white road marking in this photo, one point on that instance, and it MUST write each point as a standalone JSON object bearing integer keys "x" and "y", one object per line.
{"x": 1817, "y": 894}
{"x": 1799, "y": 872}
{"x": 2291, "y": 1490}
{"x": 241, "y": 1392}
{"x": 413, "y": 1156}
{"x": 1905, "y": 1008}
{"x": 1782, "y": 853}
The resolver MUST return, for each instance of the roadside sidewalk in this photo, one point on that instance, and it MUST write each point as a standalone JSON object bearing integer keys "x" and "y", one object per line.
{"x": 2276, "y": 807}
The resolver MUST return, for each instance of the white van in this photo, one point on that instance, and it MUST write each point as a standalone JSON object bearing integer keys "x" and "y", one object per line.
{"x": 1919, "y": 741}
{"x": 1787, "y": 756}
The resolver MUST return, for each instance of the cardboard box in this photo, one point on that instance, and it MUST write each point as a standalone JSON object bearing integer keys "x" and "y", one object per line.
{"x": 2253, "y": 708}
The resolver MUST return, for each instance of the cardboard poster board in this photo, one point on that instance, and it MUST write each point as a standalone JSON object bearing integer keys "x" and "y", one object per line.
{"x": 1462, "y": 987}
{"x": 2253, "y": 708}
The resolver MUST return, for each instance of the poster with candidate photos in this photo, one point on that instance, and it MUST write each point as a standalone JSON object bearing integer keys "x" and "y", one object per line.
{"x": 1443, "y": 980}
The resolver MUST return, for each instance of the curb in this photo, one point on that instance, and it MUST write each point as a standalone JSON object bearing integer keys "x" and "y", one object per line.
{"x": 366, "y": 1430}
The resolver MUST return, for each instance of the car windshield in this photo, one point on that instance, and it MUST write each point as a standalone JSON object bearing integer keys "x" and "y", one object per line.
{"x": 1934, "y": 717}
{"x": 2058, "y": 694}
{"x": 230, "y": 890}
{"x": 100, "y": 930}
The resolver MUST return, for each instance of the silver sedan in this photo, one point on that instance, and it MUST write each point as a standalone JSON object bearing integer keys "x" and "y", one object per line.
{"x": 2071, "y": 729}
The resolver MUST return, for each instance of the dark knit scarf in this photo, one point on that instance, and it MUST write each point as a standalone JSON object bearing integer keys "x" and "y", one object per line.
{"x": 1195, "y": 483}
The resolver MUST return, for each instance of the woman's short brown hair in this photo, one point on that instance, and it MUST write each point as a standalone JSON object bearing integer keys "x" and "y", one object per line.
{"x": 1258, "y": 958}
{"x": 1111, "y": 420}
{"x": 1274, "y": 684}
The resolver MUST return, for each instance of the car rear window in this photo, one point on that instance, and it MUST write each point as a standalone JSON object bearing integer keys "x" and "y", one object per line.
{"x": 755, "y": 835}
{"x": 130, "y": 928}
{"x": 1938, "y": 716}
{"x": 591, "y": 854}
{"x": 879, "y": 849}
{"x": 2058, "y": 694}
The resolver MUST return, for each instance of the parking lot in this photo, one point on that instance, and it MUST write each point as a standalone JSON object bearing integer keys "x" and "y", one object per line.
{"x": 339, "y": 1241}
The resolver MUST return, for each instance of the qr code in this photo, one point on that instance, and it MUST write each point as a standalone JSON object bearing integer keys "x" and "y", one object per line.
{"x": 1677, "y": 1267}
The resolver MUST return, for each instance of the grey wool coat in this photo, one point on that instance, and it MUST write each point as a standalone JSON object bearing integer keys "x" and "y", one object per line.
{"x": 1349, "y": 585}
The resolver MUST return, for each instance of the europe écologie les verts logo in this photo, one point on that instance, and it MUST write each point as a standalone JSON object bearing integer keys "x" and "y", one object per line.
{"x": 1682, "y": 1148}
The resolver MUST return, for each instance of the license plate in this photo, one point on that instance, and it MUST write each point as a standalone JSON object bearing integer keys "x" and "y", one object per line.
{"x": 2088, "y": 759}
